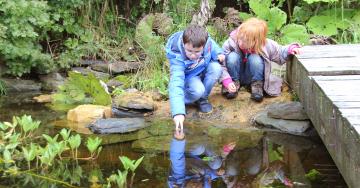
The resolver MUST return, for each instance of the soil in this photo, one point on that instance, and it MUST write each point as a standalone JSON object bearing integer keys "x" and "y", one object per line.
{"x": 239, "y": 111}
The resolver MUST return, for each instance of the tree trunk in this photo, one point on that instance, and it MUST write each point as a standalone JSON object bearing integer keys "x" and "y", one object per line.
{"x": 203, "y": 16}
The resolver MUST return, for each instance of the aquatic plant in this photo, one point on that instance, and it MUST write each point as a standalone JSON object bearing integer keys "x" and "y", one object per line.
{"x": 19, "y": 144}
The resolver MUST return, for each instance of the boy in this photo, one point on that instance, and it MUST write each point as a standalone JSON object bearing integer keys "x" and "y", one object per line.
{"x": 194, "y": 69}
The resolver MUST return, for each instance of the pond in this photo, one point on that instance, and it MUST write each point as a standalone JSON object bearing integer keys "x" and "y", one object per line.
{"x": 259, "y": 158}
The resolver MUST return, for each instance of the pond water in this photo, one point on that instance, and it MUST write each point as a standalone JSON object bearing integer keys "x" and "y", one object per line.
{"x": 259, "y": 158}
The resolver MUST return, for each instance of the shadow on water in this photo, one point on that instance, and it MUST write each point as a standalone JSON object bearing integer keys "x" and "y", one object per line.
{"x": 205, "y": 156}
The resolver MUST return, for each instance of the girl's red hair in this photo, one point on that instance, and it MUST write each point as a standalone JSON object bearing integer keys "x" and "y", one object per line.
{"x": 253, "y": 33}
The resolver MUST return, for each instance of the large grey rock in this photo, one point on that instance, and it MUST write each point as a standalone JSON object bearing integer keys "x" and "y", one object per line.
{"x": 86, "y": 71}
{"x": 117, "y": 125}
{"x": 116, "y": 67}
{"x": 137, "y": 101}
{"x": 50, "y": 82}
{"x": 287, "y": 110}
{"x": 87, "y": 62}
{"x": 19, "y": 85}
{"x": 289, "y": 126}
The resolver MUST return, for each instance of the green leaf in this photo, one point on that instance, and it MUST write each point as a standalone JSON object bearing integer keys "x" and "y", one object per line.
{"x": 65, "y": 133}
{"x": 322, "y": 25}
{"x": 49, "y": 139}
{"x": 316, "y": 1}
{"x": 244, "y": 15}
{"x": 137, "y": 163}
{"x": 261, "y": 8}
{"x": 7, "y": 156}
{"x": 301, "y": 14}
{"x": 276, "y": 19}
{"x": 294, "y": 33}
{"x": 93, "y": 143}
{"x": 74, "y": 141}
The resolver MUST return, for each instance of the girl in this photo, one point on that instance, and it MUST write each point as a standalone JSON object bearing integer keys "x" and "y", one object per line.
{"x": 248, "y": 60}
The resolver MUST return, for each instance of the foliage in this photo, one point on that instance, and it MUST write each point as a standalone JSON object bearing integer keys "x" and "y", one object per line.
{"x": 21, "y": 24}
{"x": 276, "y": 20}
{"x": 2, "y": 88}
{"x": 313, "y": 175}
{"x": 155, "y": 73}
{"x": 47, "y": 163}
{"x": 121, "y": 177}
{"x": 82, "y": 89}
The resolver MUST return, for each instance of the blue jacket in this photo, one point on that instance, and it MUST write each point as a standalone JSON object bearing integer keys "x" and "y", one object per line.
{"x": 181, "y": 68}
{"x": 179, "y": 173}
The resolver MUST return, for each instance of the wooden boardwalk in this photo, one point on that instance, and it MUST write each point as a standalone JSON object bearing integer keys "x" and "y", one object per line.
{"x": 327, "y": 81}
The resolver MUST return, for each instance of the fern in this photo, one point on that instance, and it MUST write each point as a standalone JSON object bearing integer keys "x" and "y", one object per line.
{"x": 82, "y": 89}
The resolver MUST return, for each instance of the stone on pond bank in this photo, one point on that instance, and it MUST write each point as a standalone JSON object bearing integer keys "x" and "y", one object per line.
{"x": 287, "y": 110}
{"x": 89, "y": 113}
{"x": 50, "y": 82}
{"x": 86, "y": 71}
{"x": 20, "y": 85}
{"x": 116, "y": 67}
{"x": 288, "y": 126}
{"x": 117, "y": 125}
{"x": 136, "y": 101}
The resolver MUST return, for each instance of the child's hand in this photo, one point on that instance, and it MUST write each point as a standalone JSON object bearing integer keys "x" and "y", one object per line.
{"x": 179, "y": 121}
{"x": 231, "y": 87}
{"x": 221, "y": 57}
{"x": 295, "y": 51}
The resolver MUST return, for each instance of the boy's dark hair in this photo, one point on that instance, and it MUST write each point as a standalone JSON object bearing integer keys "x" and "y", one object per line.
{"x": 195, "y": 35}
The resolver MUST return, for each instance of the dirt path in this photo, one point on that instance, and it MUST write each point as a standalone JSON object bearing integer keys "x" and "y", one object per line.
{"x": 236, "y": 111}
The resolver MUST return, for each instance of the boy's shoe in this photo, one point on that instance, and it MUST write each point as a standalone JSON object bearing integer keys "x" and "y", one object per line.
{"x": 257, "y": 91}
{"x": 204, "y": 106}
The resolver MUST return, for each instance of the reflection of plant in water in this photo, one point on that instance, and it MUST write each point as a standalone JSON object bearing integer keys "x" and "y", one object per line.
{"x": 48, "y": 163}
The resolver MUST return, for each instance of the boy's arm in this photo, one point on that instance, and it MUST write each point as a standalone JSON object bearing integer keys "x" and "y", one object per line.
{"x": 176, "y": 87}
{"x": 215, "y": 50}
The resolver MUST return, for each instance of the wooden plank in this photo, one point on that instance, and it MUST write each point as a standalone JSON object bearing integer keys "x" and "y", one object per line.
{"x": 342, "y": 98}
{"x": 347, "y": 104}
{"x": 328, "y": 51}
{"x": 336, "y": 78}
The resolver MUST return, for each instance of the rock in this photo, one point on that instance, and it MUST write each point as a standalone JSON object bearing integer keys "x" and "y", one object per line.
{"x": 153, "y": 144}
{"x": 79, "y": 127}
{"x": 19, "y": 85}
{"x": 287, "y": 110}
{"x": 118, "y": 138}
{"x": 136, "y": 101}
{"x": 50, "y": 82}
{"x": 43, "y": 98}
{"x": 86, "y": 71}
{"x": 294, "y": 143}
{"x": 87, "y": 62}
{"x": 116, "y": 125}
{"x": 116, "y": 67}
{"x": 124, "y": 113}
{"x": 156, "y": 96}
{"x": 88, "y": 113}
{"x": 288, "y": 126}
{"x": 113, "y": 83}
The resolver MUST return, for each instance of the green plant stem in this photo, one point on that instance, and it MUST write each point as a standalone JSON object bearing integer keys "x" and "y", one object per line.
{"x": 132, "y": 179}
{"x": 49, "y": 179}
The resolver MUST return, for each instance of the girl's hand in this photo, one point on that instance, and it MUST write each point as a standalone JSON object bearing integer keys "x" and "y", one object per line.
{"x": 295, "y": 51}
{"x": 221, "y": 57}
{"x": 231, "y": 87}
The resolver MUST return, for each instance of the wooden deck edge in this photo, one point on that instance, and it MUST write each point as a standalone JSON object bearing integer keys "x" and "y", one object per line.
{"x": 338, "y": 135}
